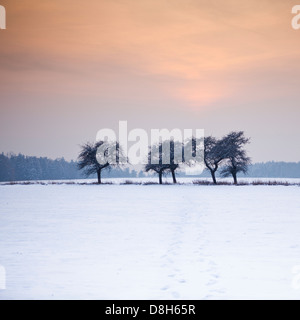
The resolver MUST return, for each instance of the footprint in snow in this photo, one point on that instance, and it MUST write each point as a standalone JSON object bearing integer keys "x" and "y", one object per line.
{"x": 211, "y": 282}
{"x": 165, "y": 288}
{"x": 181, "y": 281}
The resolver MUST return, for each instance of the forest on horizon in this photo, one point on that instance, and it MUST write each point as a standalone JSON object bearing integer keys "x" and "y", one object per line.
{"x": 27, "y": 168}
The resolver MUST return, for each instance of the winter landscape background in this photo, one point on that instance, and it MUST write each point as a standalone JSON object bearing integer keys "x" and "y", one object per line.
{"x": 71, "y": 68}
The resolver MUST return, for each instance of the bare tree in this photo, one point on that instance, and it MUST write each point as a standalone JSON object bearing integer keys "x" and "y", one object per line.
{"x": 93, "y": 162}
{"x": 155, "y": 161}
{"x": 158, "y": 168}
{"x": 176, "y": 153}
{"x": 237, "y": 159}
{"x": 165, "y": 158}
{"x": 213, "y": 155}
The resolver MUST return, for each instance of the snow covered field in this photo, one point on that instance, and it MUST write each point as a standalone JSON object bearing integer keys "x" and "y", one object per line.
{"x": 150, "y": 242}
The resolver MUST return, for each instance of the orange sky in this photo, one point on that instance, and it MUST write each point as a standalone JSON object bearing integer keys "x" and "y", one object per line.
{"x": 70, "y": 67}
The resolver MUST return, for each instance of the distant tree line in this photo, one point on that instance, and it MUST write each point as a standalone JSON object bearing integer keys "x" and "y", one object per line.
{"x": 270, "y": 169}
{"x": 273, "y": 169}
{"x": 19, "y": 167}
{"x": 26, "y": 168}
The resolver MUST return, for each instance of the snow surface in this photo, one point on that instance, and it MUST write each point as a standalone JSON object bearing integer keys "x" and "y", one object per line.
{"x": 150, "y": 242}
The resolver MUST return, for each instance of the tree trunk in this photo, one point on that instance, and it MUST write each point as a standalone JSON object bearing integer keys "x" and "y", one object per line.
{"x": 213, "y": 175}
{"x": 234, "y": 178}
{"x": 160, "y": 177}
{"x": 99, "y": 176}
{"x": 173, "y": 176}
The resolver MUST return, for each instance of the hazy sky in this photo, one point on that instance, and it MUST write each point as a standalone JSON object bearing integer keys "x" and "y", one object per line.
{"x": 69, "y": 68}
